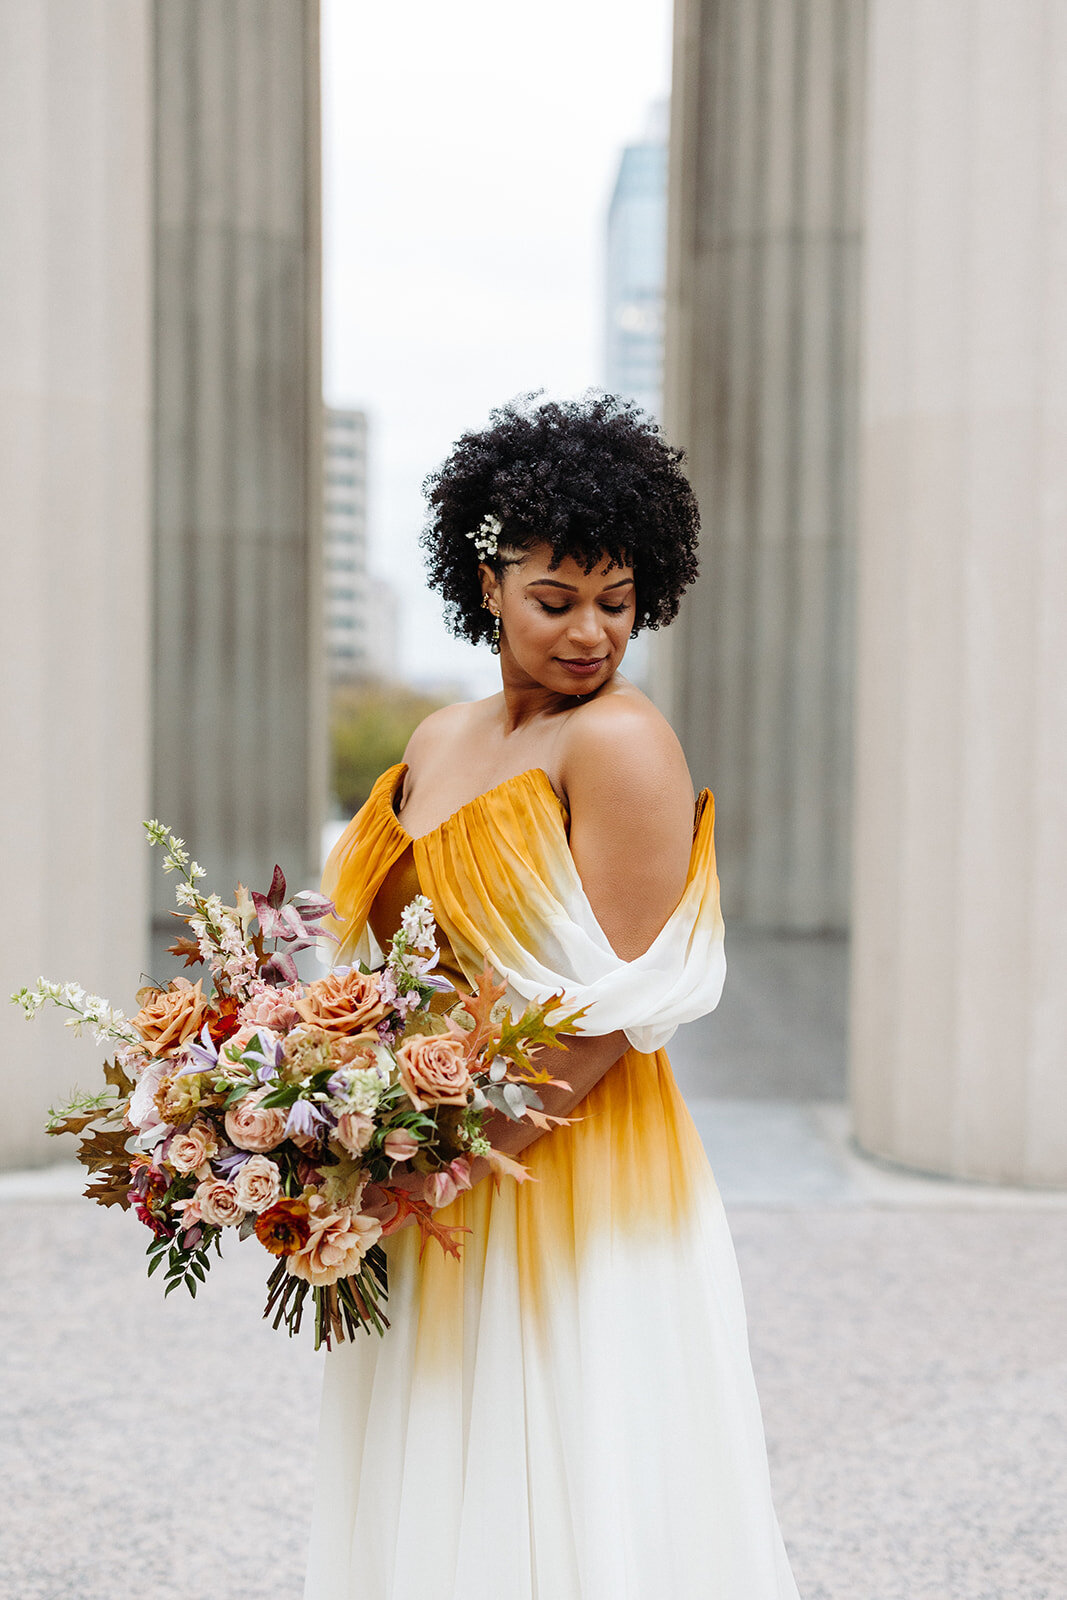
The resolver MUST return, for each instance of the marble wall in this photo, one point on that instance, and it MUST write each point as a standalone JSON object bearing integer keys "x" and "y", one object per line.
{"x": 75, "y": 447}
{"x": 959, "y": 1008}
{"x": 762, "y": 330}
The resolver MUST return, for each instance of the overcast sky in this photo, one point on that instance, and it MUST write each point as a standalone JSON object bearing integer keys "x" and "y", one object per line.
{"x": 469, "y": 155}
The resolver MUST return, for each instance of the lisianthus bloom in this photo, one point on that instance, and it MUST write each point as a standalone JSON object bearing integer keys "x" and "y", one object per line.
{"x": 284, "y": 1227}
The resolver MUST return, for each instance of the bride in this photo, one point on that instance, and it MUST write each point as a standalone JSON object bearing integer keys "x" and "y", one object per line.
{"x": 568, "y": 1412}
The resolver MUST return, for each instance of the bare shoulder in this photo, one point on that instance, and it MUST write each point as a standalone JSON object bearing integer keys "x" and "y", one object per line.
{"x": 620, "y": 747}
{"x": 440, "y": 730}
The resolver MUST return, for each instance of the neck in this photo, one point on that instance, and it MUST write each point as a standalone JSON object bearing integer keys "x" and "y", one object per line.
{"x": 525, "y": 699}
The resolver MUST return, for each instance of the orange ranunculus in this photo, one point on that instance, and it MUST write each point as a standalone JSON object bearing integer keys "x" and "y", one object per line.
{"x": 284, "y": 1227}
{"x": 434, "y": 1071}
{"x": 171, "y": 1016}
{"x": 343, "y": 1002}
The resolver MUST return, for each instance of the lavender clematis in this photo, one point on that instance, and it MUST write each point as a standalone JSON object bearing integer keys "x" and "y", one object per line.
{"x": 205, "y": 1056}
{"x": 305, "y": 1119}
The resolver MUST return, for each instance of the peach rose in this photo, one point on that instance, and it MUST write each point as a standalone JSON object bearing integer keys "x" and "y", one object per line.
{"x": 217, "y": 1203}
{"x": 255, "y": 1127}
{"x": 343, "y": 1002}
{"x": 433, "y": 1070}
{"x": 337, "y": 1243}
{"x": 171, "y": 1016}
{"x": 191, "y": 1149}
{"x": 257, "y": 1184}
{"x": 400, "y": 1144}
{"x": 354, "y": 1131}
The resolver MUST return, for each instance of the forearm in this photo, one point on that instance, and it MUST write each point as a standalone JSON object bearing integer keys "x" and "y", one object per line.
{"x": 581, "y": 1066}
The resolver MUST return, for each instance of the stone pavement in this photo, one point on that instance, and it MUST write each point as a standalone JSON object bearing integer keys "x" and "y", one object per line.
{"x": 907, "y": 1336}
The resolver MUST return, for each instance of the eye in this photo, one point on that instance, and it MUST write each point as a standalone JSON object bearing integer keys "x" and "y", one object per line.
{"x": 553, "y": 611}
{"x": 615, "y": 611}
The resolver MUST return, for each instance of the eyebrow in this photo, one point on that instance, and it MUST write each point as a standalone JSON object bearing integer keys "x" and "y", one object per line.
{"x": 573, "y": 588}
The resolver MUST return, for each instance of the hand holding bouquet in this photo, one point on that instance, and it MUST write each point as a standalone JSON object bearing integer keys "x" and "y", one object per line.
{"x": 317, "y": 1117}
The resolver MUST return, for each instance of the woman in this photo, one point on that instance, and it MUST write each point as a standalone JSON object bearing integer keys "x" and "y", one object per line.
{"x": 568, "y": 1412}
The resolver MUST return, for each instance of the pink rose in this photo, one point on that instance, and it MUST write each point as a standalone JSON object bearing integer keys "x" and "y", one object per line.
{"x": 433, "y": 1070}
{"x": 191, "y": 1149}
{"x": 400, "y": 1144}
{"x": 252, "y": 1126}
{"x": 337, "y": 1243}
{"x": 257, "y": 1184}
{"x": 217, "y": 1203}
{"x": 354, "y": 1131}
{"x": 272, "y": 1008}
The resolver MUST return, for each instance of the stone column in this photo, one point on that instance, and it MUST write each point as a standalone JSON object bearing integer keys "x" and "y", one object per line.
{"x": 239, "y": 676}
{"x": 75, "y": 409}
{"x": 762, "y": 277}
{"x": 959, "y": 1013}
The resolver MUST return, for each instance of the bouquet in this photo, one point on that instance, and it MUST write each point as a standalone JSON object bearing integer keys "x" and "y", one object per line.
{"x": 316, "y": 1117}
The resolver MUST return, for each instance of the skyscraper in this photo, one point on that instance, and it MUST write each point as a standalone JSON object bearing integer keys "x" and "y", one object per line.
{"x": 360, "y": 610}
{"x": 635, "y": 268}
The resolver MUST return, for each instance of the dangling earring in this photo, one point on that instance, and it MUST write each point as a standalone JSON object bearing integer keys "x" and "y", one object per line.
{"x": 494, "y": 637}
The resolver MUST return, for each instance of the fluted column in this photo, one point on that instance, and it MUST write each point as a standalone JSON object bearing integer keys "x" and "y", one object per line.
{"x": 75, "y": 410}
{"x": 238, "y": 691}
{"x": 960, "y": 969}
{"x": 762, "y": 280}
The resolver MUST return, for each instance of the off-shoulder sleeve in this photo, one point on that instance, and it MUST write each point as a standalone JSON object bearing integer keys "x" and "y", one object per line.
{"x": 354, "y": 871}
{"x": 506, "y": 890}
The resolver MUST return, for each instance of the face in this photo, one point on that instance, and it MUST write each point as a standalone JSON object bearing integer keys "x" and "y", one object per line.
{"x": 562, "y": 627}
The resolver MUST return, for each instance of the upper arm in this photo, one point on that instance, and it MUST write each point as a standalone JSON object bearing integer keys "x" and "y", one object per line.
{"x": 631, "y": 835}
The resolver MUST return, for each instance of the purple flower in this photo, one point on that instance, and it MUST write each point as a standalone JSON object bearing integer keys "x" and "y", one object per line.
{"x": 229, "y": 1163}
{"x": 304, "y": 1119}
{"x": 271, "y": 1053}
{"x": 205, "y": 1056}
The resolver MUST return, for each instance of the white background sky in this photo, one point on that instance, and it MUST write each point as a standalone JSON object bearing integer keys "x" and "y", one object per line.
{"x": 470, "y": 150}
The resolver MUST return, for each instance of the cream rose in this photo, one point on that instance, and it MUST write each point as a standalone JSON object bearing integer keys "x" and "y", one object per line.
{"x": 217, "y": 1203}
{"x": 343, "y": 1002}
{"x": 171, "y": 1016}
{"x": 337, "y": 1243}
{"x": 257, "y": 1184}
{"x": 191, "y": 1149}
{"x": 354, "y": 1131}
{"x": 252, "y": 1126}
{"x": 433, "y": 1070}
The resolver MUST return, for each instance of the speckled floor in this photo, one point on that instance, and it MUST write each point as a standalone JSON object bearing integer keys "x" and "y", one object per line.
{"x": 910, "y": 1357}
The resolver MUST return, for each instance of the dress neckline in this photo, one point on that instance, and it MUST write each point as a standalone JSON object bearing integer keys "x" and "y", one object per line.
{"x": 529, "y": 775}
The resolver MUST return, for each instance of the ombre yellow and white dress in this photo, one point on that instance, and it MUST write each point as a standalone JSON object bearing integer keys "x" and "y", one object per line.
{"x": 568, "y": 1412}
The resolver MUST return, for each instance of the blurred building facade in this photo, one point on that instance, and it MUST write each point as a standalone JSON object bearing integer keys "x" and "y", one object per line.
{"x": 361, "y": 618}
{"x": 635, "y": 265}
{"x": 160, "y": 383}
{"x": 867, "y": 362}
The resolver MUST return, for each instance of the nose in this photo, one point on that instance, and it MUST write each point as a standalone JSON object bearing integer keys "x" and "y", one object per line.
{"x": 585, "y": 630}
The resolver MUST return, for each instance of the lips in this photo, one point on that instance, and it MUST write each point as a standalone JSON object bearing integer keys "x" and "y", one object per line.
{"x": 583, "y": 669}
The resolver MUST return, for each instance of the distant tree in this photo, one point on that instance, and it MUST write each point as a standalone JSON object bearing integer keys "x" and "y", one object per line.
{"x": 370, "y": 726}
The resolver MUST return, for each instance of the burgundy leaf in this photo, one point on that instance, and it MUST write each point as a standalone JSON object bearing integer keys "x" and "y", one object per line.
{"x": 276, "y": 892}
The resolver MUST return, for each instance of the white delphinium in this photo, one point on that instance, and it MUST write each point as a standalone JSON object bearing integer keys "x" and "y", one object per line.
{"x": 89, "y": 1010}
{"x": 418, "y": 925}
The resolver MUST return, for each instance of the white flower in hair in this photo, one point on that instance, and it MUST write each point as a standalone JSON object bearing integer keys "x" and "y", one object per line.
{"x": 486, "y": 535}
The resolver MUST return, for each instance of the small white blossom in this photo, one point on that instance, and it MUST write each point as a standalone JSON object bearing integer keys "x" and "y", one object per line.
{"x": 417, "y": 922}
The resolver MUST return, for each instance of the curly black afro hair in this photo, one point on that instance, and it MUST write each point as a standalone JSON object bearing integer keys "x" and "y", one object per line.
{"x": 591, "y": 477}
